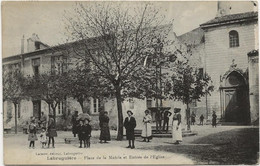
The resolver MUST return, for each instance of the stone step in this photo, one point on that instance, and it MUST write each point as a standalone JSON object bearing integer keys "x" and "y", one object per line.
{"x": 169, "y": 135}
{"x": 139, "y": 131}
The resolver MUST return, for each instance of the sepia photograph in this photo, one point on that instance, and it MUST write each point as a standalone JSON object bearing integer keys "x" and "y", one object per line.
{"x": 130, "y": 82}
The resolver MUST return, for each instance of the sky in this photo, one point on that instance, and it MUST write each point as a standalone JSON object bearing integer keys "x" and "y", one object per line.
{"x": 46, "y": 19}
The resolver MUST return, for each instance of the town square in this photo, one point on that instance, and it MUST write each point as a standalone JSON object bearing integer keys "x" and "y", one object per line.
{"x": 134, "y": 82}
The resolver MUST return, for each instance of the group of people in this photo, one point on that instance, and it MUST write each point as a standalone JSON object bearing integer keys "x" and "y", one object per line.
{"x": 214, "y": 119}
{"x": 193, "y": 119}
{"x": 82, "y": 128}
{"x": 47, "y": 131}
{"x": 162, "y": 116}
{"x": 130, "y": 124}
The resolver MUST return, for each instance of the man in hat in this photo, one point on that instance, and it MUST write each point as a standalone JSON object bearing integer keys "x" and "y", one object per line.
{"x": 158, "y": 118}
{"x": 130, "y": 124}
{"x": 166, "y": 116}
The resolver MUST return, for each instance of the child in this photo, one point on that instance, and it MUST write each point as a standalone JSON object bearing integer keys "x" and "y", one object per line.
{"x": 32, "y": 137}
{"x": 43, "y": 137}
{"x": 81, "y": 133}
{"x": 87, "y": 130}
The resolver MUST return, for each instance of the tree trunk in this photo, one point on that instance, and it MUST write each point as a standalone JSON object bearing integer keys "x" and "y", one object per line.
{"x": 15, "y": 117}
{"x": 120, "y": 114}
{"x": 54, "y": 112}
{"x": 188, "y": 117}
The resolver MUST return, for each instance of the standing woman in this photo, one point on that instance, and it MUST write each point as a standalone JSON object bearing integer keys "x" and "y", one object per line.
{"x": 176, "y": 126}
{"x": 105, "y": 133}
{"x": 130, "y": 124}
{"x": 147, "y": 130}
{"x": 75, "y": 123}
{"x": 214, "y": 119}
{"x": 32, "y": 137}
{"x": 51, "y": 131}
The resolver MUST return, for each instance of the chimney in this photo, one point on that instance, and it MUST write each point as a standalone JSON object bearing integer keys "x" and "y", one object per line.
{"x": 22, "y": 45}
{"x": 224, "y": 8}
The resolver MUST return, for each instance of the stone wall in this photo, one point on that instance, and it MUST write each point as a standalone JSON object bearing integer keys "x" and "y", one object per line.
{"x": 253, "y": 70}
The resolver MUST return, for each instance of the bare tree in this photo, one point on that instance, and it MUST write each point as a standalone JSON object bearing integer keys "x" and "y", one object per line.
{"x": 116, "y": 39}
{"x": 49, "y": 87}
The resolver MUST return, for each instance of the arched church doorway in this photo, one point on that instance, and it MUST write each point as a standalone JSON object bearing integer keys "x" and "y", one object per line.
{"x": 235, "y": 99}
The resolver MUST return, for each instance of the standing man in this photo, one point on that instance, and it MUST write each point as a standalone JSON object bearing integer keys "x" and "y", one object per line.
{"x": 158, "y": 118}
{"x": 201, "y": 119}
{"x": 193, "y": 116}
{"x": 75, "y": 123}
{"x": 166, "y": 116}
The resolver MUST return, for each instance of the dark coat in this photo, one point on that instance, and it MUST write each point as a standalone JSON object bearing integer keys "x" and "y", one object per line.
{"x": 51, "y": 132}
{"x": 75, "y": 124}
{"x": 193, "y": 116}
{"x": 84, "y": 132}
{"x": 214, "y": 120}
{"x": 166, "y": 115}
{"x": 105, "y": 133}
{"x": 130, "y": 128}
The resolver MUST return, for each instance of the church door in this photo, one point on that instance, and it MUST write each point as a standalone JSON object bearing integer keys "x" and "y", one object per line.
{"x": 236, "y": 99}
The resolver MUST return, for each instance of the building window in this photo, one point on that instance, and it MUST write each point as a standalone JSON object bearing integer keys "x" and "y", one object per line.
{"x": 201, "y": 72}
{"x": 37, "y": 45}
{"x": 36, "y": 64}
{"x": 58, "y": 64}
{"x": 96, "y": 105}
{"x": 233, "y": 39}
{"x": 60, "y": 108}
{"x": 148, "y": 102}
{"x": 194, "y": 103}
{"x": 131, "y": 103}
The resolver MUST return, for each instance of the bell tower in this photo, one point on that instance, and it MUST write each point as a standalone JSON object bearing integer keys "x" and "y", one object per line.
{"x": 224, "y": 8}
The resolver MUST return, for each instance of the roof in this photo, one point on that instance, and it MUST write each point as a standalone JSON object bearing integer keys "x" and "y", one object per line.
{"x": 194, "y": 37}
{"x": 92, "y": 43}
{"x": 232, "y": 18}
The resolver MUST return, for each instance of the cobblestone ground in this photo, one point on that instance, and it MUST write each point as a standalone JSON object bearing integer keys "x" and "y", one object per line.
{"x": 221, "y": 145}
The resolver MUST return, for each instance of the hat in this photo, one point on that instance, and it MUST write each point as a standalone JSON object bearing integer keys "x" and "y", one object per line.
{"x": 176, "y": 110}
{"x": 147, "y": 111}
{"x": 130, "y": 112}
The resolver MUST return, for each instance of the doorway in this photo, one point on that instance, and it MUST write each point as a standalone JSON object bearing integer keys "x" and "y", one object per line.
{"x": 37, "y": 109}
{"x": 236, "y": 99}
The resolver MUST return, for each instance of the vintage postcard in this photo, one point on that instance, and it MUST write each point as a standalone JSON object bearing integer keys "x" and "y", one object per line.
{"x": 130, "y": 82}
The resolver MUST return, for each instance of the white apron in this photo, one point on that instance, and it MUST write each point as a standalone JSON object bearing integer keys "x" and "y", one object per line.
{"x": 176, "y": 134}
{"x": 147, "y": 128}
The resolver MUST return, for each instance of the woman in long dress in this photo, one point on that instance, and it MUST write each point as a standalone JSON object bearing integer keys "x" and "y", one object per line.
{"x": 105, "y": 133}
{"x": 51, "y": 131}
{"x": 147, "y": 129}
{"x": 176, "y": 126}
{"x": 214, "y": 119}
